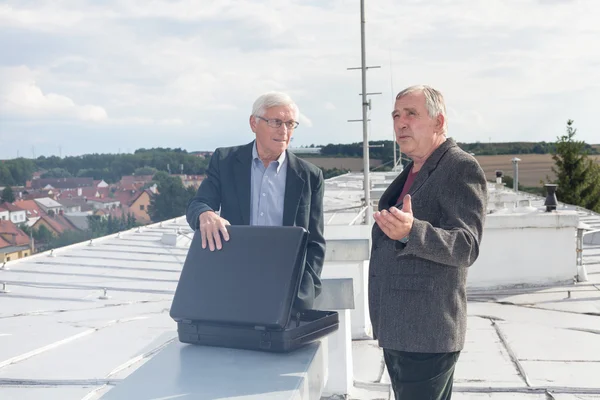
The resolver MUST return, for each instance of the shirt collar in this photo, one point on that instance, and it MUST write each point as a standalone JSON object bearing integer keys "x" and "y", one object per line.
{"x": 280, "y": 161}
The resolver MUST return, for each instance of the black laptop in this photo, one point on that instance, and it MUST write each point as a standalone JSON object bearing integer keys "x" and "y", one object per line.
{"x": 242, "y": 295}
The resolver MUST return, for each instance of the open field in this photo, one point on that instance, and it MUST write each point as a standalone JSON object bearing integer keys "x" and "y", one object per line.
{"x": 532, "y": 167}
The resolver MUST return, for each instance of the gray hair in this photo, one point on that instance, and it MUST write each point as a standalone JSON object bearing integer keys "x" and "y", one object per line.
{"x": 434, "y": 101}
{"x": 273, "y": 99}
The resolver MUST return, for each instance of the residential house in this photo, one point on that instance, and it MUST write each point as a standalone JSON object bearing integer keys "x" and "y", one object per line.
{"x": 87, "y": 192}
{"x": 14, "y": 243}
{"x": 4, "y": 214}
{"x": 62, "y": 183}
{"x": 32, "y": 209}
{"x": 9, "y": 252}
{"x": 139, "y": 206}
{"x": 134, "y": 181}
{"x": 100, "y": 184}
{"x": 17, "y": 215}
{"x": 50, "y": 206}
{"x": 71, "y": 205}
{"x": 79, "y": 221}
{"x": 191, "y": 180}
{"x": 202, "y": 154}
{"x": 104, "y": 202}
{"x": 56, "y": 224}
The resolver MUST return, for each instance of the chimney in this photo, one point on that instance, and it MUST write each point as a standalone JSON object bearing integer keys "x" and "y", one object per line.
{"x": 515, "y": 162}
{"x": 499, "y": 185}
{"x": 551, "y": 200}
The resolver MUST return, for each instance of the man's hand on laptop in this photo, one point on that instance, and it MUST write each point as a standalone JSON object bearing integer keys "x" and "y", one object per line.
{"x": 210, "y": 226}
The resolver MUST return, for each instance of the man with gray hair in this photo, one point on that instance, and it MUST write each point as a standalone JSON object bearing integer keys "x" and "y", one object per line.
{"x": 262, "y": 183}
{"x": 426, "y": 235}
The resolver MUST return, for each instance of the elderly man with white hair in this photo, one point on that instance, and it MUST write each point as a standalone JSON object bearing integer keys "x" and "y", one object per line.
{"x": 262, "y": 183}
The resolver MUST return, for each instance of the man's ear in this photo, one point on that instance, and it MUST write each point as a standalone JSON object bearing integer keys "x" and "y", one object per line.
{"x": 252, "y": 122}
{"x": 439, "y": 123}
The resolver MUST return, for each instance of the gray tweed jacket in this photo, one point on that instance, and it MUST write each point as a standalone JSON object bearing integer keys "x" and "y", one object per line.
{"x": 417, "y": 291}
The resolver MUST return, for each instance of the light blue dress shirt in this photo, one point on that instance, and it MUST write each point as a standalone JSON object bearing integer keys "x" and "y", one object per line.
{"x": 267, "y": 190}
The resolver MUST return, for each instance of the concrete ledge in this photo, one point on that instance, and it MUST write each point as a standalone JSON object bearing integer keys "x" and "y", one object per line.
{"x": 536, "y": 248}
{"x": 336, "y": 232}
{"x": 536, "y": 219}
{"x": 358, "y": 272}
{"x": 201, "y": 372}
{"x": 347, "y": 242}
{"x": 347, "y": 250}
{"x": 337, "y": 294}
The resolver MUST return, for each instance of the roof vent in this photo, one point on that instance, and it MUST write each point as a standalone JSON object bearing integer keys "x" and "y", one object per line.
{"x": 551, "y": 200}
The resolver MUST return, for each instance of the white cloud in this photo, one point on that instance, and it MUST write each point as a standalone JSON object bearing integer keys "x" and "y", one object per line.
{"x": 21, "y": 96}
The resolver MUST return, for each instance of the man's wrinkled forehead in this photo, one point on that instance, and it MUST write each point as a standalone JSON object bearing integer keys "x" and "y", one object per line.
{"x": 280, "y": 112}
{"x": 413, "y": 101}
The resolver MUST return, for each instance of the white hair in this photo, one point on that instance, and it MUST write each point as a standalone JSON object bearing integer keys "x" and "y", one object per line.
{"x": 273, "y": 99}
{"x": 434, "y": 101}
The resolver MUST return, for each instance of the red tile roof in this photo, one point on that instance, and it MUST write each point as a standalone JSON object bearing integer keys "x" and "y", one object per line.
{"x": 4, "y": 243}
{"x": 12, "y": 234}
{"x": 58, "y": 223}
{"x": 11, "y": 207}
{"x": 103, "y": 199}
{"x": 89, "y": 192}
{"x": 32, "y": 208}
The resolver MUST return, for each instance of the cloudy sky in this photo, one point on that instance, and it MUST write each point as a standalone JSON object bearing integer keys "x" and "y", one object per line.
{"x": 85, "y": 76}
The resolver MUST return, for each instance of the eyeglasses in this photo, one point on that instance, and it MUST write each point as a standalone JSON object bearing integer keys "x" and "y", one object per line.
{"x": 276, "y": 123}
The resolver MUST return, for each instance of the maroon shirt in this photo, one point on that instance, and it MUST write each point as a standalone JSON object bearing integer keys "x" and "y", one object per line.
{"x": 409, "y": 181}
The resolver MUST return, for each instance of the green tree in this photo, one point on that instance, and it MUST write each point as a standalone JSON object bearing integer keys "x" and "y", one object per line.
{"x": 131, "y": 222}
{"x": 7, "y": 195}
{"x": 67, "y": 238}
{"x": 42, "y": 234}
{"x": 97, "y": 226}
{"x": 578, "y": 177}
{"x": 145, "y": 171}
{"x": 26, "y": 229}
{"x": 172, "y": 199}
{"x": 57, "y": 173}
{"x": 6, "y": 177}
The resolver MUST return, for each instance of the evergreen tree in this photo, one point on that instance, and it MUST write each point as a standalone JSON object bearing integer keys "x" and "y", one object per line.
{"x": 131, "y": 222}
{"x": 578, "y": 177}
{"x": 171, "y": 202}
{"x": 8, "y": 195}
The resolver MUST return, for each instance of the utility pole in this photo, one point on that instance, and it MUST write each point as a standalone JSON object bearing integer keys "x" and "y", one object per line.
{"x": 365, "y": 104}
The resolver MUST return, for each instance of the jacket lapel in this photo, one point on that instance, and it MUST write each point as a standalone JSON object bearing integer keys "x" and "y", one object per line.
{"x": 393, "y": 191}
{"x": 294, "y": 185}
{"x": 242, "y": 173}
{"x": 427, "y": 169}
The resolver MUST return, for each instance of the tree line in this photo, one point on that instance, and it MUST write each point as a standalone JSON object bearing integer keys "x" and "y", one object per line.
{"x": 110, "y": 167}
{"x": 384, "y": 150}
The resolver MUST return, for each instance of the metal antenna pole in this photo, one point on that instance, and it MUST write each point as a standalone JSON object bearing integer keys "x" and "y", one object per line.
{"x": 365, "y": 104}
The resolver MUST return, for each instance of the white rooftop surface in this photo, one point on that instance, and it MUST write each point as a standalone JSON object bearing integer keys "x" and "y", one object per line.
{"x": 61, "y": 338}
